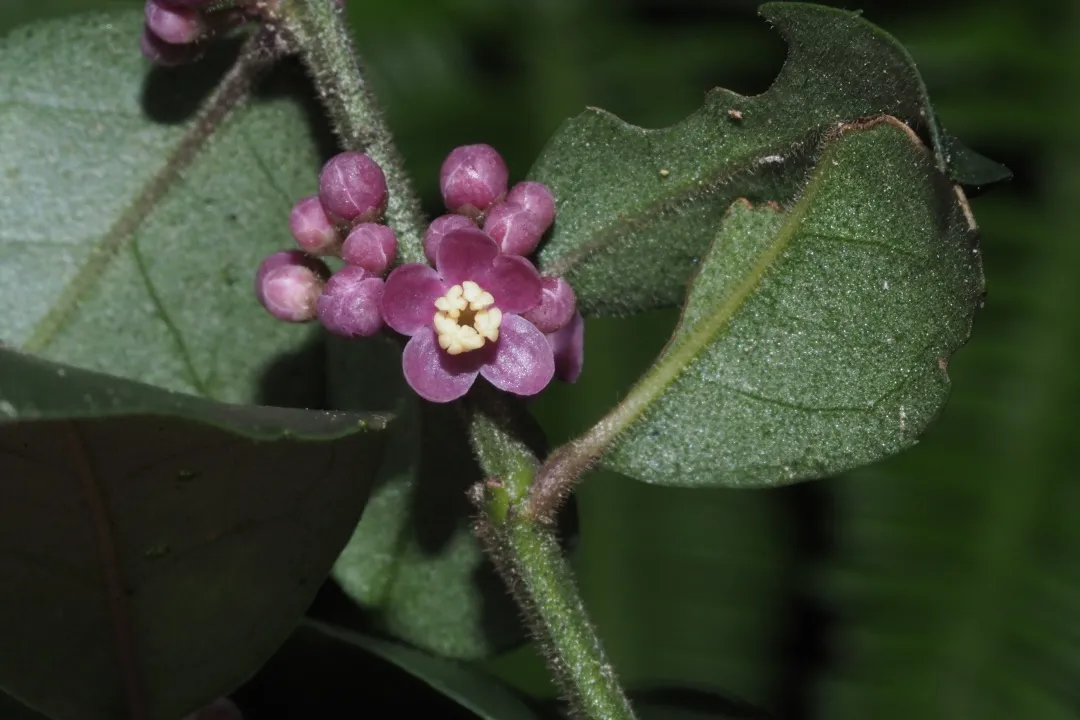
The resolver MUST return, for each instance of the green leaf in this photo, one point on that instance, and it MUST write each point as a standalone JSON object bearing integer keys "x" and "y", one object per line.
{"x": 467, "y": 686}
{"x": 414, "y": 559}
{"x": 972, "y": 169}
{"x": 131, "y": 234}
{"x": 690, "y": 587}
{"x": 816, "y": 339}
{"x": 164, "y": 544}
{"x": 638, "y": 208}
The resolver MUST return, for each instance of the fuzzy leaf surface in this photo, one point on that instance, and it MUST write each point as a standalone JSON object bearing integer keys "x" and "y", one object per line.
{"x": 131, "y": 236}
{"x": 637, "y": 208}
{"x": 814, "y": 339}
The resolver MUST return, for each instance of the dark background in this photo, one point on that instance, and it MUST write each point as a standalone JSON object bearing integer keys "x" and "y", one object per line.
{"x": 940, "y": 584}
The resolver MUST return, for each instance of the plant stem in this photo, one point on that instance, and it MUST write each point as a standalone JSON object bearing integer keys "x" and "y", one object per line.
{"x": 526, "y": 551}
{"x": 528, "y": 555}
{"x": 317, "y": 29}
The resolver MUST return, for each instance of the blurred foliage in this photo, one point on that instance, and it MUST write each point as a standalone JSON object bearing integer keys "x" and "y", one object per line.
{"x": 939, "y": 584}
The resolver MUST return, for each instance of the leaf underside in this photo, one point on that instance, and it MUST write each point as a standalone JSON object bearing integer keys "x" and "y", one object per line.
{"x": 814, "y": 339}
{"x": 637, "y": 209}
{"x": 166, "y": 535}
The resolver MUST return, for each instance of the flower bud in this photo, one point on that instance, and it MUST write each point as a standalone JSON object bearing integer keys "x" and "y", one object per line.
{"x": 174, "y": 23}
{"x": 166, "y": 54}
{"x": 351, "y": 304}
{"x": 352, "y": 188}
{"x": 558, "y": 303}
{"x": 312, "y": 229}
{"x": 370, "y": 246}
{"x": 472, "y": 179}
{"x": 439, "y": 228}
{"x": 288, "y": 285}
{"x": 517, "y": 230}
{"x": 537, "y": 199}
{"x": 568, "y": 347}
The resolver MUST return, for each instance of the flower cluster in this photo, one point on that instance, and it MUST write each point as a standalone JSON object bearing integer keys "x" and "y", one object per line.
{"x": 478, "y": 308}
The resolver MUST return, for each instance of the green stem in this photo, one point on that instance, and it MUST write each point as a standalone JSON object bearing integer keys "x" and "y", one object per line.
{"x": 525, "y": 550}
{"x": 527, "y": 554}
{"x": 317, "y": 29}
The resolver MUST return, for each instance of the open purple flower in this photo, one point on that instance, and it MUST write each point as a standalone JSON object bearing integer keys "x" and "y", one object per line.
{"x": 464, "y": 319}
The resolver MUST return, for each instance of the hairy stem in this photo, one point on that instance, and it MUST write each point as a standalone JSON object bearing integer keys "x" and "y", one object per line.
{"x": 526, "y": 552}
{"x": 317, "y": 29}
{"x": 528, "y": 555}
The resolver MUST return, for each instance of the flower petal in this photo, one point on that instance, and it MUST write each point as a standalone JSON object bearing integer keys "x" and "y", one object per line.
{"x": 523, "y": 362}
{"x": 514, "y": 283}
{"x": 434, "y": 374}
{"x": 568, "y": 344}
{"x": 408, "y": 302}
{"x": 465, "y": 254}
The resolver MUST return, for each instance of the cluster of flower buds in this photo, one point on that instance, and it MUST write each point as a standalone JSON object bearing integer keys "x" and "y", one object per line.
{"x": 480, "y": 308}
{"x": 340, "y": 221}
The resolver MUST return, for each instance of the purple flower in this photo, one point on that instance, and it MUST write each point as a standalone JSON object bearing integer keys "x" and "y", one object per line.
{"x": 438, "y": 229}
{"x": 472, "y": 179}
{"x": 536, "y": 198}
{"x": 288, "y": 284}
{"x": 371, "y": 246}
{"x": 166, "y": 54}
{"x": 464, "y": 319}
{"x": 517, "y": 230}
{"x": 568, "y": 345}
{"x": 173, "y": 23}
{"x": 350, "y": 304}
{"x": 558, "y": 303}
{"x": 312, "y": 230}
{"x": 352, "y": 188}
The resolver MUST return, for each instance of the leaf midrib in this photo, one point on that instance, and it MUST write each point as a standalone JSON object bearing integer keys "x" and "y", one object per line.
{"x": 712, "y": 183}
{"x": 230, "y": 94}
{"x": 671, "y": 365}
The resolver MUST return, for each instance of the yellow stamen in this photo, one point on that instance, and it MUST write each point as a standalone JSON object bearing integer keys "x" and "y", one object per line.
{"x": 466, "y": 319}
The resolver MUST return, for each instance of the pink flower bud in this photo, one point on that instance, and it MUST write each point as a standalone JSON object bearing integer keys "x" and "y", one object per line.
{"x": 173, "y": 23}
{"x": 537, "y": 199}
{"x": 312, "y": 229}
{"x": 352, "y": 188}
{"x": 439, "y": 228}
{"x": 472, "y": 179}
{"x": 370, "y": 246}
{"x": 568, "y": 346}
{"x": 166, "y": 54}
{"x": 351, "y": 304}
{"x": 557, "y": 305}
{"x": 288, "y": 285}
{"x": 517, "y": 230}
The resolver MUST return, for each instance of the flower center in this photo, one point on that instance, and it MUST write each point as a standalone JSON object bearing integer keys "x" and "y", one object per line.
{"x": 466, "y": 318}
